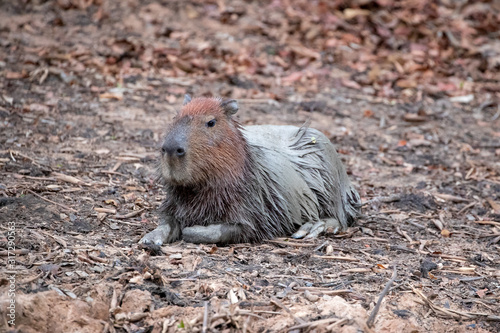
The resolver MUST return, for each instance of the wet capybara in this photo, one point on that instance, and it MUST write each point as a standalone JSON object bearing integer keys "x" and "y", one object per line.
{"x": 226, "y": 183}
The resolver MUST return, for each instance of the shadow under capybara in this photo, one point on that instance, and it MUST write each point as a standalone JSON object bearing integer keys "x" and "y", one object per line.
{"x": 226, "y": 183}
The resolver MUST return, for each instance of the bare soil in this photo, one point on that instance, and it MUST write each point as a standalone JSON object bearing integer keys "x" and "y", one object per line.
{"x": 87, "y": 88}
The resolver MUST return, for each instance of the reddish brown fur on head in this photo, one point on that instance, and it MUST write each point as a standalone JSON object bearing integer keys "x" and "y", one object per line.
{"x": 204, "y": 146}
{"x": 201, "y": 106}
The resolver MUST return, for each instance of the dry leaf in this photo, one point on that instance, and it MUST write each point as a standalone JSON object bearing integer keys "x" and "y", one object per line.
{"x": 445, "y": 233}
{"x": 414, "y": 118}
{"x": 438, "y": 224}
{"x": 368, "y": 113}
{"x": 350, "y": 13}
{"x": 494, "y": 205}
{"x": 111, "y": 202}
{"x": 481, "y": 292}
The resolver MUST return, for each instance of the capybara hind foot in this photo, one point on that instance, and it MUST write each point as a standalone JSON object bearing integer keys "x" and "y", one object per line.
{"x": 215, "y": 233}
{"x": 313, "y": 230}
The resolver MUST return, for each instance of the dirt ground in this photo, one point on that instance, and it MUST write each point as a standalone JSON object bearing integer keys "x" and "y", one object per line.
{"x": 408, "y": 91}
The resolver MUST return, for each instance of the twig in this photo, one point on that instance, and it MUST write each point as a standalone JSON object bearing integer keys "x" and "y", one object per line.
{"x": 36, "y": 178}
{"x": 280, "y": 276}
{"x": 291, "y": 243}
{"x": 96, "y": 258}
{"x": 371, "y": 319}
{"x": 415, "y": 224}
{"x": 281, "y": 305}
{"x": 376, "y": 239}
{"x": 488, "y": 222}
{"x": 472, "y": 204}
{"x": 31, "y": 279}
{"x": 205, "y": 318}
{"x": 494, "y": 241}
{"x": 56, "y": 238}
{"x": 53, "y": 202}
{"x": 320, "y": 246}
{"x": 131, "y": 214}
{"x": 449, "y": 197}
{"x": 391, "y": 198}
{"x": 447, "y": 256}
{"x": 335, "y": 258}
{"x": 15, "y": 152}
{"x": 403, "y": 234}
{"x": 330, "y": 327}
{"x": 313, "y": 324}
{"x": 326, "y": 291}
{"x": 450, "y": 313}
{"x": 489, "y": 235}
{"x": 21, "y": 252}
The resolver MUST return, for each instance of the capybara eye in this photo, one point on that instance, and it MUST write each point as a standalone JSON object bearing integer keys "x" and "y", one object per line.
{"x": 211, "y": 123}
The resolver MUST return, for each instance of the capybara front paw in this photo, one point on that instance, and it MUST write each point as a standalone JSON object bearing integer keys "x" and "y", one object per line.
{"x": 159, "y": 236}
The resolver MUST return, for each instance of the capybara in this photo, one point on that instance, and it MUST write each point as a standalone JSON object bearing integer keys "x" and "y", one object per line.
{"x": 226, "y": 183}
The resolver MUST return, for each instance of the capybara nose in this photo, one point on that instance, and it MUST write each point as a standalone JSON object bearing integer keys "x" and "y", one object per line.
{"x": 173, "y": 149}
{"x": 180, "y": 152}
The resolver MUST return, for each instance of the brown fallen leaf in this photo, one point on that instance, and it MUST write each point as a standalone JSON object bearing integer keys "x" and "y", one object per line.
{"x": 414, "y": 118}
{"x": 351, "y": 84}
{"x": 445, "y": 233}
{"x": 108, "y": 95}
{"x": 15, "y": 75}
{"x": 481, "y": 292}
{"x": 368, "y": 113}
{"x": 403, "y": 83}
{"x": 305, "y": 52}
{"x": 350, "y": 13}
{"x": 495, "y": 205}
{"x": 111, "y": 202}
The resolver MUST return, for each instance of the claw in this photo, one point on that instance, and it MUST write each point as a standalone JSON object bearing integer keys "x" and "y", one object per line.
{"x": 313, "y": 230}
{"x": 303, "y": 230}
{"x": 316, "y": 230}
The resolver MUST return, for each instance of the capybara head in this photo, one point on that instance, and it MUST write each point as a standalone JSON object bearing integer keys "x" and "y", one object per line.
{"x": 204, "y": 144}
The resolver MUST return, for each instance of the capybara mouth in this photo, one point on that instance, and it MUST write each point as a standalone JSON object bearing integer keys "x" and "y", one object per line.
{"x": 174, "y": 170}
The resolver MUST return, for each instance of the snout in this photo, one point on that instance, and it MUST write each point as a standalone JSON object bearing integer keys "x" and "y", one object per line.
{"x": 175, "y": 144}
{"x": 175, "y": 160}
{"x": 174, "y": 149}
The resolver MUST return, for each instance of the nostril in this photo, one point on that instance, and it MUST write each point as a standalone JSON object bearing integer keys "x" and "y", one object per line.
{"x": 180, "y": 152}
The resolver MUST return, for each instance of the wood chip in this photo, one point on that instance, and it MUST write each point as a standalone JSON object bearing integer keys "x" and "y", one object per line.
{"x": 414, "y": 118}
{"x": 105, "y": 210}
{"x": 68, "y": 179}
{"x": 449, "y": 197}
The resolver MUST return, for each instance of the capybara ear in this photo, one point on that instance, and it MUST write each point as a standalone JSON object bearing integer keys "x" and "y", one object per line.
{"x": 230, "y": 106}
{"x": 187, "y": 99}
